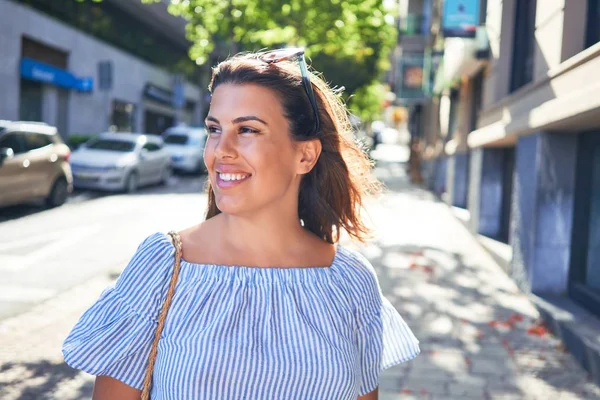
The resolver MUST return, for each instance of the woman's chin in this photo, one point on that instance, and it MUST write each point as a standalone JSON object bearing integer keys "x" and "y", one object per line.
{"x": 232, "y": 207}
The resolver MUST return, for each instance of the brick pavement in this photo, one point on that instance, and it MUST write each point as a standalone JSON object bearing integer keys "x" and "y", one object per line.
{"x": 480, "y": 336}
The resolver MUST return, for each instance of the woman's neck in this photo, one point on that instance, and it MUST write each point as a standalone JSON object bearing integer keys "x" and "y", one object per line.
{"x": 265, "y": 233}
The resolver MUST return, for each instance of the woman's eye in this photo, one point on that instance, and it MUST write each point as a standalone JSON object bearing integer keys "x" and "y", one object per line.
{"x": 213, "y": 129}
{"x": 247, "y": 129}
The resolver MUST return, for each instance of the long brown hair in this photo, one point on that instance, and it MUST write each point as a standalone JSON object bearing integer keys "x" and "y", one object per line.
{"x": 331, "y": 194}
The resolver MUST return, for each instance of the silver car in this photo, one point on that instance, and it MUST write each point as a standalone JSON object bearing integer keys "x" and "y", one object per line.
{"x": 186, "y": 146}
{"x": 120, "y": 162}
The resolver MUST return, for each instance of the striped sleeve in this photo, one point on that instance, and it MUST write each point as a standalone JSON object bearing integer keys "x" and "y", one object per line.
{"x": 384, "y": 338}
{"x": 113, "y": 337}
{"x": 385, "y": 342}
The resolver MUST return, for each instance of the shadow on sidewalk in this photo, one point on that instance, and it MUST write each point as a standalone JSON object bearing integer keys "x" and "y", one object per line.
{"x": 43, "y": 380}
{"x": 478, "y": 337}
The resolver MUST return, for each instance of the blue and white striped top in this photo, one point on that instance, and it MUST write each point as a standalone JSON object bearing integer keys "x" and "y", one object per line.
{"x": 236, "y": 332}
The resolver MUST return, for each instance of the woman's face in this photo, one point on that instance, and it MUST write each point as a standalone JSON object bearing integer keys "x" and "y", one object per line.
{"x": 251, "y": 158}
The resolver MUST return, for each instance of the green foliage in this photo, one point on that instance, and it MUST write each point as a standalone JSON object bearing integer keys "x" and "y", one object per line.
{"x": 368, "y": 100}
{"x": 348, "y": 40}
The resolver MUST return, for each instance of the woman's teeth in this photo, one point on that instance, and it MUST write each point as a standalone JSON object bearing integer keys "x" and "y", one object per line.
{"x": 232, "y": 177}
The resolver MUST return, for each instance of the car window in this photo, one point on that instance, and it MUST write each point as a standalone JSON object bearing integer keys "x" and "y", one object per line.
{"x": 176, "y": 139}
{"x": 14, "y": 141}
{"x": 111, "y": 145}
{"x": 152, "y": 147}
{"x": 35, "y": 141}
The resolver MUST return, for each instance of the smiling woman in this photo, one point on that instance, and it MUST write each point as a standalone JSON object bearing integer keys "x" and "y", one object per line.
{"x": 261, "y": 303}
{"x": 335, "y": 178}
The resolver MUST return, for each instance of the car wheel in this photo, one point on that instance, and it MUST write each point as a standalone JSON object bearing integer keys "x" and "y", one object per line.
{"x": 166, "y": 175}
{"x": 59, "y": 193}
{"x": 131, "y": 183}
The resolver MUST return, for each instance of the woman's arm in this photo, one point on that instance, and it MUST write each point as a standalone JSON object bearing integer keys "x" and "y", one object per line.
{"x": 107, "y": 388}
{"x": 370, "y": 396}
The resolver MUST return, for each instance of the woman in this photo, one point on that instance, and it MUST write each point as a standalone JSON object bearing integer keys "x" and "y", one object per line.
{"x": 266, "y": 306}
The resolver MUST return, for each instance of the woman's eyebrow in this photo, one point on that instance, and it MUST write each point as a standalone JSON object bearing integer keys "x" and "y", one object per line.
{"x": 248, "y": 118}
{"x": 239, "y": 119}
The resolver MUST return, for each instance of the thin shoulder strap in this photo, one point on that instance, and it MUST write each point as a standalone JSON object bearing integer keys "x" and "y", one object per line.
{"x": 176, "y": 239}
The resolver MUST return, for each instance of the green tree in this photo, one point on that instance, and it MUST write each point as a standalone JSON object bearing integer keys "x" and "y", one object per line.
{"x": 367, "y": 101}
{"x": 348, "y": 40}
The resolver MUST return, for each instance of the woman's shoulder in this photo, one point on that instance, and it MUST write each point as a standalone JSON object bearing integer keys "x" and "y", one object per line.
{"x": 355, "y": 265}
{"x": 360, "y": 279}
{"x": 149, "y": 263}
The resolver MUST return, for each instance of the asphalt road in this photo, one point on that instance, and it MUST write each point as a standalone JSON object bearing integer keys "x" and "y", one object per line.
{"x": 44, "y": 252}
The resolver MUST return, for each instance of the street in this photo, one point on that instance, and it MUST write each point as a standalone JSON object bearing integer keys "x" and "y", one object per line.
{"x": 480, "y": 336}
{"x": 44, "y": 252}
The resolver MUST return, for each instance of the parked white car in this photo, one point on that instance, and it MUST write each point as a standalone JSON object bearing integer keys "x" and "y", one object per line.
{"x": 121, "y": 162}
{"x": 186, "y": 147}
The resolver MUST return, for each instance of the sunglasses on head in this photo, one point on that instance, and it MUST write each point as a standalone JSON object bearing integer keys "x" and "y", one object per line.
{"x": 275, "y": 56}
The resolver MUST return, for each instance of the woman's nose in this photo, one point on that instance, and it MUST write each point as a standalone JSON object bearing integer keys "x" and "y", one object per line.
{"x": 226, "y": 145}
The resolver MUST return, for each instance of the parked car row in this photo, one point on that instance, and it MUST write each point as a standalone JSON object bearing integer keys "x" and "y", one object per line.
{"x": 35, "y": 163}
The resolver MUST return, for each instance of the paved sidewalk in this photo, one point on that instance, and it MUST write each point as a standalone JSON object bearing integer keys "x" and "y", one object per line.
{"x": 480, "y": 336}
{"x": 31, "y": 363}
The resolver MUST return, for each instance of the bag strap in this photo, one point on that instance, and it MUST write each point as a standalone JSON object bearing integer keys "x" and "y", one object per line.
{"x": 176, "y": 239}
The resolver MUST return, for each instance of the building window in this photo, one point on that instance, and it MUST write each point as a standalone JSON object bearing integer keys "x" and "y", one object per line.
{"x": 37, "y": 51}
{"x": 477, "y": 98}
{"x": 508, "y": 170}
{"x": 123, "y": 116}
{"x": 593, "y": 23}
{"x": 30, "y": 102}
{"x": 523, "y": 44}
{"x": 453, "y": 113}
{"x": 584, "y": 283}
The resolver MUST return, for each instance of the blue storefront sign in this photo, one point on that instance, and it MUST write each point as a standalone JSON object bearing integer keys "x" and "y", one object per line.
{"x": 461, "y": 18}
{"x": 38, "y": 71}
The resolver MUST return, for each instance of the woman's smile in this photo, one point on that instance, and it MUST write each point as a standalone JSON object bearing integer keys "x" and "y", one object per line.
{"x": 229, "y": 180}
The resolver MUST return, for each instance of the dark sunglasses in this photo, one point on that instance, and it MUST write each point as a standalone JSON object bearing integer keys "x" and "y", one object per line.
{"x": 275, "y": 56}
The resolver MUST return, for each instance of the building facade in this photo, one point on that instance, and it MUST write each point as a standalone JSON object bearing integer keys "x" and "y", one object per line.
{"x": 517, "y": 145}
{"x": 88, "y": 67}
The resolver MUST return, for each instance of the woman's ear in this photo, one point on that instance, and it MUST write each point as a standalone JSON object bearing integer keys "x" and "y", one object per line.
{"x": 310, "y": 151}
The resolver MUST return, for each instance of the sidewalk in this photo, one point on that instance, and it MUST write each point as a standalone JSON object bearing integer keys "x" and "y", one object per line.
{"x": 480, "y": 337}
{"x": 31, "y": 363}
